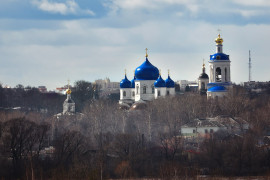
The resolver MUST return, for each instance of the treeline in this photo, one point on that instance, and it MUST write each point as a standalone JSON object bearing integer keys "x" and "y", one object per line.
{"x": 31, "y": 99}
{"x": 107, "y": 142}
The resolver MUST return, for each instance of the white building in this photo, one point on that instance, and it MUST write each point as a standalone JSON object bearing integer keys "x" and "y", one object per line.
{"x": 205, "y": 127}
{"x": 146, "y": 85}
{"x": 220, "y": 72}
{"x": 193, "y": 85}
{"x": 107, "y": 85}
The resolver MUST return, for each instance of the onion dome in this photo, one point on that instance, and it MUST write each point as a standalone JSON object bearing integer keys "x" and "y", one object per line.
{"x": 219, "y": 40}
{"x": 133, "y": 82}
{"x": 68, "y": 91}
{"x": 146, "y": 71}
{"x": 203, "y": 75}
{"x": 160, "y": 82}
{"x": 225, "y": 84}
{"x": 217, "y": 89}
{"x": 169, "y": 83}
{"x": 219, "y": 56}
{"x": 125, "y": 83}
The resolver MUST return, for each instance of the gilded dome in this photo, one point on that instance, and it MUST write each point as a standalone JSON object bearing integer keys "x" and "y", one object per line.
{"x": 219, "y": 40}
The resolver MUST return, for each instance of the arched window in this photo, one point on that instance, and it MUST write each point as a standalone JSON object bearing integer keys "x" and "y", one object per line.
{"x": 144, "y": 89}
{"x": 137, "y": 89}
{"x": 133, "y": 93}
{"x": 218, "y": 74}
{"x": 124, "y": 93}
{"x": 158, "y": 93}
{"x": 168, "y": 93}
{"x": 226, "y": 75}
{"x": 153, "y": 89}
{"x": 218, "y": 57}
{"x": 218, "y": 49}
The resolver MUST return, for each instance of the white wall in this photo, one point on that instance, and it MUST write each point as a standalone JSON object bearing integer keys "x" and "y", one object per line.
{"x": 140, "y": 95}
{"x": 200, "y": 130}
{"x": 200, "y": 81}
{"x": 216, "y": 94}
{"x": 172, "y": 91}
{"x": 222, "y": 65}
{"x": 162, "y": 92}
{"x": 128, "y": 93}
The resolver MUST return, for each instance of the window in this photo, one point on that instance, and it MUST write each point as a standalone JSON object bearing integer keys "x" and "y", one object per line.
{"x": 144, "y": 89}
{"x": 133, "y": 93}
{"x": 206, "y": 131}
{"x": 218, "y": 74}
{"x": 194, "y": 131}
{"x": 168, "y": 93}
{"x": 218, "y": 57}
{"x": 218, "y": 49}
{"x": 137, "y": 89}
{"x": 153, "y": 90}
{"x": 211, "y": 130}
{"x": 124, "y": 93}
{"x": 158, "y": 93}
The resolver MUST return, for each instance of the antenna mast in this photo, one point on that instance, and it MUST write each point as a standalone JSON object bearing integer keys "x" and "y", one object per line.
{"x": 249, "y": 67}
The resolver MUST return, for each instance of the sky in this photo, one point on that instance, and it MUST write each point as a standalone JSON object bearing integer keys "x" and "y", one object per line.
{"x": 47, "y": 42}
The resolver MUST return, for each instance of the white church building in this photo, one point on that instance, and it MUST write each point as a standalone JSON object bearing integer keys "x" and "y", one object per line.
{"x": 146, "y": 85}
{"x": 220, "y": 72}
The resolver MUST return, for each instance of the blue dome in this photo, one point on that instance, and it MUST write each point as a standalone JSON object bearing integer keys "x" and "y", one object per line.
{"x": 133, "y": 82}
{"x": 217, "y": 89}
{"x": 160, "y": 82}
{"x": 146, "y": 71}
{"x": 219, "y": 84}
{"x": 125, "y": 83}
{"x": 169, "y": 82}
{"x": 219, "y": 56}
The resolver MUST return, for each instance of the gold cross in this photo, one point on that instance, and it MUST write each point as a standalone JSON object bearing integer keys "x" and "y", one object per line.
{"x": 219, "y": 32}
{"x": 68, "y": 83}
{"x": 168, "y": 72}
{"x": 125, "y": 71}
{"x": 160, "y": 72}
{"x": 146, "y": 52}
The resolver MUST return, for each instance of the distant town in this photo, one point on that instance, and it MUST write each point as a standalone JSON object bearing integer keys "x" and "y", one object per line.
{"x": 146, "y": 127}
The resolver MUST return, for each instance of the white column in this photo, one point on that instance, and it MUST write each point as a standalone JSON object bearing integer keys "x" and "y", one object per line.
{"x": 222, "y": 73}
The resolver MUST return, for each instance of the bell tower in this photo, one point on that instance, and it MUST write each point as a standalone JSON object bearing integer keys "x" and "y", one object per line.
{"x": 203, "y": 80}
{"x": 219, "y": 64}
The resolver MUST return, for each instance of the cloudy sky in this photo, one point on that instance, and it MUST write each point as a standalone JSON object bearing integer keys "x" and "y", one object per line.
{"x": 46, "y": 42}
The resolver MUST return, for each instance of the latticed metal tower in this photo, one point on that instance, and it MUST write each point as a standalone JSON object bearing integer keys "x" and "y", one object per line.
{"x": 249, "y": 67}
